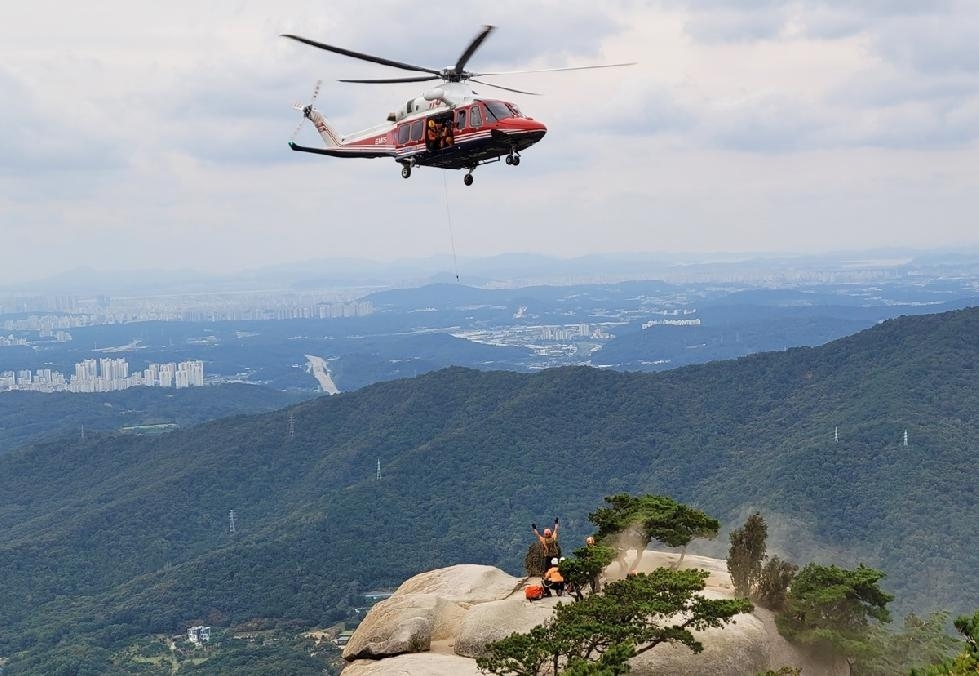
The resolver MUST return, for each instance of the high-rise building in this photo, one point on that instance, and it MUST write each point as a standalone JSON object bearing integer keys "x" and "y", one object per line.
{"x": 114, "y": 369}
{"x": 190, "y": 374}
{"x": 86, "y": 370}
{"x": 167, "y": 374}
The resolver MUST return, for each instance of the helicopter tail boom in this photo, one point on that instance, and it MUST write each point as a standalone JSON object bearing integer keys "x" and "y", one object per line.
{"x": 329, "y": 135}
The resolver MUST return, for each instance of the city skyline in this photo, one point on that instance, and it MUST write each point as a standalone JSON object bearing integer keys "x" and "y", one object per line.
{"x": 105, "y": 375}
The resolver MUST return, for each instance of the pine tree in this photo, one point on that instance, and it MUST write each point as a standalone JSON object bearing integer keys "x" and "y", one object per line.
{"x": 773, "y": 583}
{"x": 746, "y": 554}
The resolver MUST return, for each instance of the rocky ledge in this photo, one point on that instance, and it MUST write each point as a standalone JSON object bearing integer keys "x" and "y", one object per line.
{"x": 437, "y": 622}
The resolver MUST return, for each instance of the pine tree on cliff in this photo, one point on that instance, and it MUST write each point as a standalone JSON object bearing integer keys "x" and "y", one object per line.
{"x": 746, "y": 554}
{"x": 630, "y": 520}
{"x": 833, "y": 609}
{"x": 773, "y": 583}
{"x": 600, "y": 633}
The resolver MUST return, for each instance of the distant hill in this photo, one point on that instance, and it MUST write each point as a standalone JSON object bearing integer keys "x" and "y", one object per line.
{"x": 445, "y": 296}
{"x": 27, "y": 417}
{"x": 116, "y": 536}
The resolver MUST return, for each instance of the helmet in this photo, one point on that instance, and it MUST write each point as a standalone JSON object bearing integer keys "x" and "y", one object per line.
{"x": 563, "y": 558}
{"x": 554, "y": 562}
{"x": 547, "y": 531}
{"x": 589, "y": 540}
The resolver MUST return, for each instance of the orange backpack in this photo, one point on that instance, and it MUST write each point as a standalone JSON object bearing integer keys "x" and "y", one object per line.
{"x": 534, "y": 592}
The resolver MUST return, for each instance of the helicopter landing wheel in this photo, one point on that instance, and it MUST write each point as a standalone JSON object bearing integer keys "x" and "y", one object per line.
{"x": 405, "y": 171}
{"x": 515, "y": 160}
{"x": 468, "y": 179}
{"x": 509, "y": 159}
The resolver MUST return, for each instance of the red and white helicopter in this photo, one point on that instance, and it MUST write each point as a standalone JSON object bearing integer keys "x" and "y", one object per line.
{"x": 449, "y": 126}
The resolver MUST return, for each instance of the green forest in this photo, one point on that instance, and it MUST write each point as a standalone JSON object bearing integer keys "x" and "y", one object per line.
{"x": 28, "y": 417}
{"x": 114, "y": 537}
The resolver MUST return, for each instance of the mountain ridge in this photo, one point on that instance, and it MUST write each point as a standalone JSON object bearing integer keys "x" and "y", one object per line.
{"x": 470, "y": 458}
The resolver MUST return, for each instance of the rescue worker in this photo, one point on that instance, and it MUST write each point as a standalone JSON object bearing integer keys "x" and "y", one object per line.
{"x": 549, "y": 545}
{"x": 553, "y": 579}
{"x": 445, "y": 138}
{"x": 431, "y": 136}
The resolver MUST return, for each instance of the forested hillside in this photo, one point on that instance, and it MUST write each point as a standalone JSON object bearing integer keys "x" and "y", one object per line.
{"x": 27, "y": 417}
{"x": 114, "y": 536}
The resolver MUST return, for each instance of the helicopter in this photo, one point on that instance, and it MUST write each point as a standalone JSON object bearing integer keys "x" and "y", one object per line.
{"x": 449, "y": 126}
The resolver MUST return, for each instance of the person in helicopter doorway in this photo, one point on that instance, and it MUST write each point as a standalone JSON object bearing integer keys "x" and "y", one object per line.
{"x": 549, "y": 545}
{"x": 431, "y": 135}
{"x": 445, "y": 137}
{"x": 553, "y": 580}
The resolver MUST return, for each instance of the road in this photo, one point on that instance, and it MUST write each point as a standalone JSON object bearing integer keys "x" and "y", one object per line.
{"x": 320, "y": 371}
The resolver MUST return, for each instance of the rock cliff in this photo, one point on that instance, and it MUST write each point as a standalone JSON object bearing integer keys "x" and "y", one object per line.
{"x": 438, "y": 621}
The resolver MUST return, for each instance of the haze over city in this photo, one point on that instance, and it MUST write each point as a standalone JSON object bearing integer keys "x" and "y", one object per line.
{"x": 154, "y": 137}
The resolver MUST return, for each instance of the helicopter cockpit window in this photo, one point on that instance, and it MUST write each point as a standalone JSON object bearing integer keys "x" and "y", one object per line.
{"x": 498, "y": 110}
{"x": 460, "y": 119}
{"x": 403, "y": 132}
{"x": 416, "y": 130}
{"x": 475, "y": 117}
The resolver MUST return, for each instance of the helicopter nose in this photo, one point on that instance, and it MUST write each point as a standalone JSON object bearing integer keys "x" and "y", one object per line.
{"x": 528, "y": 130}
{"x": 525, "y": 124}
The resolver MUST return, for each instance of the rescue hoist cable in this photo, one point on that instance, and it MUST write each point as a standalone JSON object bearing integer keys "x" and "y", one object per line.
{"x": 448, "y": 217}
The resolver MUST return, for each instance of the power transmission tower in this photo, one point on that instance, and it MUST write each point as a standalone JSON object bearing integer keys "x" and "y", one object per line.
{"x": 378, "y": 469}
{"x": 836, "y": 434}
{"x": 292, "y": 425}
{"x": 905, "y": 437}
{"x": 83, "y": 433}
{"x": 231, "y": 523}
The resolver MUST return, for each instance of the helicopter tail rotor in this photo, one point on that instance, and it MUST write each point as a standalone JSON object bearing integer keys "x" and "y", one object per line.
{"x": 302, "y": 109}
{"x": 328, "y": 133}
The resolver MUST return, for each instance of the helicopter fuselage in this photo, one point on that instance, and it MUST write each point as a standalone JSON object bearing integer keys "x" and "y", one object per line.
{"x": 443, "y": 134}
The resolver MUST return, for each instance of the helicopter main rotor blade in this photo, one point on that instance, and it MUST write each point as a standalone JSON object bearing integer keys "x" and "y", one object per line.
{"x": 509, "y": 89}
{"x": 360, "y": 55}
{"x": 471, "y": 49}
{"x": 557, "y": 70}
{"x": 392, "y": 80}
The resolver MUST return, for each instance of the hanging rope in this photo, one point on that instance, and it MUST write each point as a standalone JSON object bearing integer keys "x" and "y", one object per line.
{"x": 448, "y": 216}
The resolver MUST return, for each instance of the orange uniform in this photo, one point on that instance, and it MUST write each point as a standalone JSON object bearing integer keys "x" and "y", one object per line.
{"x": 553, "y": 575}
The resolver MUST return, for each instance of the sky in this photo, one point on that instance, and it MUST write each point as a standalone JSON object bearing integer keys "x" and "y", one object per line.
{"x": 145, "y": 135}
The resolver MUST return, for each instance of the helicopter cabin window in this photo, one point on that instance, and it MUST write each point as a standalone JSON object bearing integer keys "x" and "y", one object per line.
{"x": 475, "y": 117}
{"x": 417, "y": 130}
{"x": 403, "y": 132}
{"x": 460, "y": 119}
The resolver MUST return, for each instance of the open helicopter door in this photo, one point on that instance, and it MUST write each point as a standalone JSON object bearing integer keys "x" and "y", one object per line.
{"x": 438, "y": 132}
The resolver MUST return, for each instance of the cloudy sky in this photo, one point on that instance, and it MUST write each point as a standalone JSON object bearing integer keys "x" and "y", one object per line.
{"x": 153, "y": 135}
